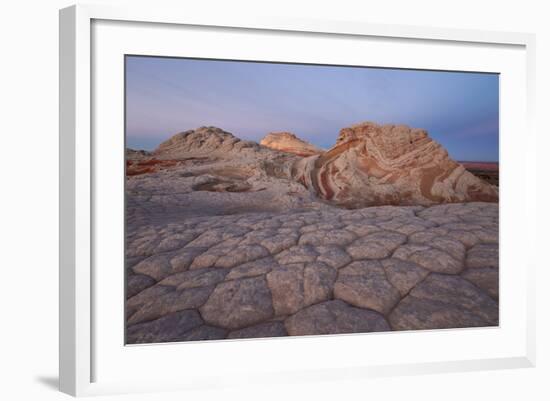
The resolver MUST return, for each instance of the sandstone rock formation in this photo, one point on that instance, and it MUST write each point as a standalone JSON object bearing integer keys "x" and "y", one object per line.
{"x": 206, "y": 141}
{"x": 265, "y": 274}
{"x": 370, "y": 165}
{"x": 229, "y": 239}
{"x": 375, "y": 164}
{"x": 133, "y": 154}
{"x": 289, "y": 143}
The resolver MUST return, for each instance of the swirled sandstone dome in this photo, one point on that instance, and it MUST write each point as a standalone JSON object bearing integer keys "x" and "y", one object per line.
{"x": 369, "y": 165}
{"x": 289, "y": 143}
{"x": 373, "y": 164}
{"x": 226, "y": 238}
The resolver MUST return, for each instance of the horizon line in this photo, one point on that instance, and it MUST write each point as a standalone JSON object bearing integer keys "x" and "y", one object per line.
{"x": 251, "y": 140}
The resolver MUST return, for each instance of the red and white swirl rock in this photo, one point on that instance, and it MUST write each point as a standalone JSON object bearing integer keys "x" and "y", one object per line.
{"x": 373, "y": 164}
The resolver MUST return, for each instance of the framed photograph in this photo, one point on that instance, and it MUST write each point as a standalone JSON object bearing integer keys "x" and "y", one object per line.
{"x": 241, "y": 194}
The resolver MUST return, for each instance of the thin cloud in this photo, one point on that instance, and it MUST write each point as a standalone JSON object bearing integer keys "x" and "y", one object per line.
{"x": 169, "y": 95}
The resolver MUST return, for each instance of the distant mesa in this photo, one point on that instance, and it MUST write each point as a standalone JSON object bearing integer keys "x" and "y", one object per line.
{"x": 486, "y": 166}
{"x": 488, "y": 171}
{"x": 369, "y": 165}
{"x": 290, "y": 143}
{"x": 373, "y": 164}
{"x": 132, "y": 154}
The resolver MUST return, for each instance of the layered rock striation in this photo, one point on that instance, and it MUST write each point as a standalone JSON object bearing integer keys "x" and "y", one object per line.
{"x": 290, "y": 143}
{"x": 373, "y": 164}
{"x": 205, "y": 141}
{"x": 369, "y": 165}
{"x": 226, "y": 238}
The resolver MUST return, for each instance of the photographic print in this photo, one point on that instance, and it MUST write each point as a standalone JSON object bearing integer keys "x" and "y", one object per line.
{"x": 277, "y": 199}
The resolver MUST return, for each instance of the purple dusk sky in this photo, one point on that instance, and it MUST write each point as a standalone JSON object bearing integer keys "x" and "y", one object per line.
{"x": 165, "y": 96}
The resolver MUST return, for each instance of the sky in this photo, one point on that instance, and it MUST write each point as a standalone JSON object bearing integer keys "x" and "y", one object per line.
{"x": 165, "y": 96}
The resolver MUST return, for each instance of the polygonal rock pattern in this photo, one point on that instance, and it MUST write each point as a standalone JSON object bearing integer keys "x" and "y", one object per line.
{"x": 297, "y": 254}
{"x": 403, "y": 275}
{"x": 287, "y": 289}
{"x": 251, "y": 269}
{"x": 296, "y": 286}
{"x": 444, "y": 301}
{"x": 485, "y": 278}
{"x": 482, "y": 255}
{"x": 334, "y": 317}
{"x": 241, "y": 254}
{"x": 304, "y": 271}
{"x": 267, "y": 329}
{"x": 172, "y": 301}
{"x": 156, "y": 266}
{"x": 172, "y": 327}
{"x": 238, "y": 303}
{"x": 432, "y": 259}
{"x": 378, "y": 245}
{"x": 135, "y": 283}
{"x": 204, "y": 332}
{"x": 329, "y": 237}
{"x": 318, "y": 282}
{"x": 364, "y": 284}
{"x": 333, "y": 256}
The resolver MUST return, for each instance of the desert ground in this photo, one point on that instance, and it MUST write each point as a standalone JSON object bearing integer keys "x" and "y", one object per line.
{"x": 227, "y": 238}
{"x": 486, "y": 171}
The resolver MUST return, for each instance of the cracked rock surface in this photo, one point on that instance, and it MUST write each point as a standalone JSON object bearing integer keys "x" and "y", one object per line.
{"x": 227, "y": 239}
{"x": 309, "y": 272}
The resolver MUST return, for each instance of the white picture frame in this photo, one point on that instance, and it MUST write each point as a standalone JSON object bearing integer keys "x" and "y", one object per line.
{"x": 79, "y": 346}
